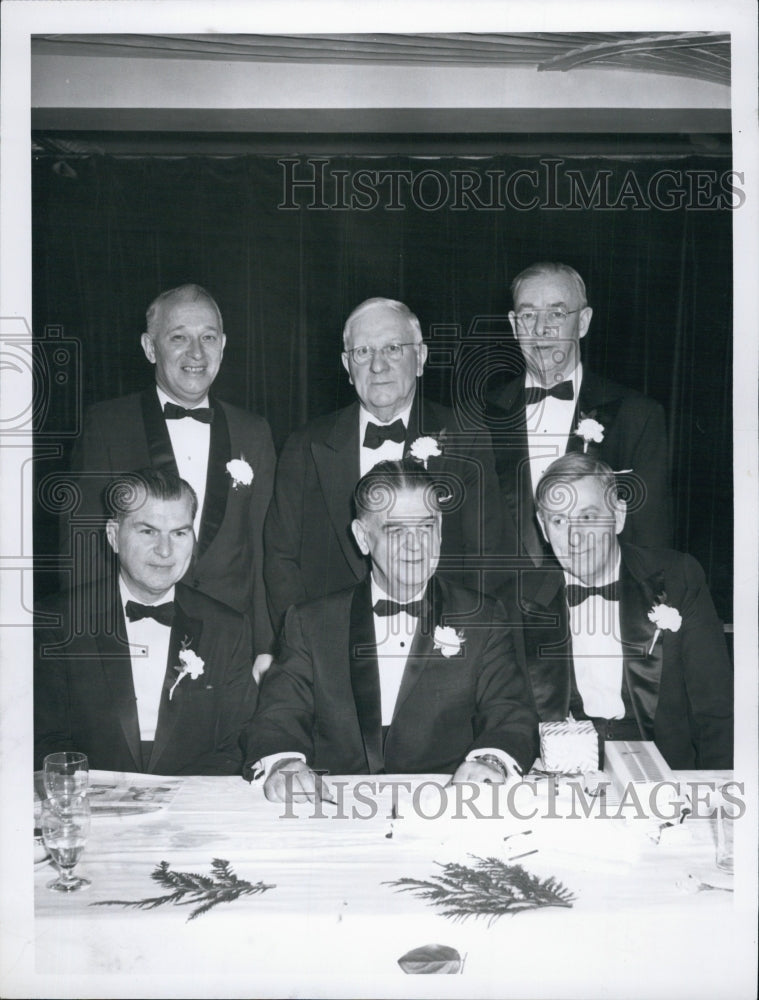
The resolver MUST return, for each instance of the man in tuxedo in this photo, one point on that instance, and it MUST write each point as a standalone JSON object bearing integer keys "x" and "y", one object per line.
{"x": 396, "y": 673}
{"x": 225, "y": 453}
{"x": 163, "y": 682}
{"x": 558, "y": 405}
{"x": 310, "y": 549}
{"x": 623, "y": 635}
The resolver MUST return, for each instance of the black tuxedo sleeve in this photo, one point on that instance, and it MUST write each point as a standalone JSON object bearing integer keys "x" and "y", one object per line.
{"x": 266, "y": 462}
{"x": 284, "y": 719}
{"x": 505, "y": 717}
{"x": 707, "y": 672}
{"x": 284, "y": 529}
{"x": 234, "y": 710}
{"x": 650, "y": 526}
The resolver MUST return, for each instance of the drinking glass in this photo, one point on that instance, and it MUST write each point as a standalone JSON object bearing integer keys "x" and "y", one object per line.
{"x": 65, "y": 825}
{"x": 65, "y": 774}
{"x": 725, "y": 856}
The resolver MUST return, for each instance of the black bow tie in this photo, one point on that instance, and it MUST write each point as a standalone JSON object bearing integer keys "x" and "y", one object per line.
{"x": 163, "y": 613}
{"x": 377, "y": 434}
{"x": 202, "y": 413}
{"x": 386, "y": 608}
{"x": 577, "y": 594}
{"x": 536, "y": 394}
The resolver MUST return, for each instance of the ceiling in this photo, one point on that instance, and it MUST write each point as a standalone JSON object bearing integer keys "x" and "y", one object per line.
{"x": 701, "y": 55}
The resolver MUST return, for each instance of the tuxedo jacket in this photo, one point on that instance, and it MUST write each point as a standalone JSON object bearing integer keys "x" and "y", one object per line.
{"x": 681, "y": 694}
{"x": 129, "y": 433}
{"x": 310, "y": 549}
{"x": 321, "y": 697}
{"x": 84, "y": 696}
{"x": 635, "y": 438}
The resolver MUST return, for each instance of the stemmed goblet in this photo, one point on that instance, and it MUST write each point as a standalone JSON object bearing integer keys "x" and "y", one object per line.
{"x": 65, "y": 774}
{"x": 65, "y": 825}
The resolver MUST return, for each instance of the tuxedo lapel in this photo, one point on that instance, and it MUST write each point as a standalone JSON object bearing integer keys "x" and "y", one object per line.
{"x": 185, "y": 630}
{"x": 513, "y": 466}
{"x": 156, "y": 434}
{"x": 338, "y": 469}
{"x": 642, "y": 670}
{"x": 217, "y": 478}
{"x": 548, "y": 642}
{"x": 116, "y": 664}
{"x": 597, "y": 401}
{"x": 364, "y": 671}
{"x": 422, "y": 652}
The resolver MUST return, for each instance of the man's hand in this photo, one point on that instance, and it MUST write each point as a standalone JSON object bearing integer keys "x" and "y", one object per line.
{"x": 260, "y": 665}
{"x": 476, "y": 770}
{"x": 291, "y": 779}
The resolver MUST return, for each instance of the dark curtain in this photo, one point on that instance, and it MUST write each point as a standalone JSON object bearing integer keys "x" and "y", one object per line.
{"x": 111, "y": 232}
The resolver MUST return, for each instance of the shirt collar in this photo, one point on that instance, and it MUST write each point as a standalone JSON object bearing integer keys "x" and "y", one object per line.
{"x": 127, "y": 595}
{"x": 366, "y": 417}
{"x": 575, "y": 377}
{"x": 163, "y": 399}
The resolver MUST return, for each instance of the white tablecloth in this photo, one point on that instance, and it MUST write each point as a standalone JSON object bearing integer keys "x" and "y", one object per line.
{"x": 639, "y": 925}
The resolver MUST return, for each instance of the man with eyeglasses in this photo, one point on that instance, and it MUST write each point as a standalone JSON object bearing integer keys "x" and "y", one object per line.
{"x": 625, "y": 636}
{"x": 560, "y": 406}
{"x": 310, "y": 549}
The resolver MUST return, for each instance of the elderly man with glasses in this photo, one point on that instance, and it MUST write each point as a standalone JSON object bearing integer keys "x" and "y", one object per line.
{"x": 558, "y": 405}
{"x": 310, "y": 549}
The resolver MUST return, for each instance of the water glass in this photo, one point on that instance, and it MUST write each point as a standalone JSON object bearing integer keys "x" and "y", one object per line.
{"x": 65, "y": 774}
{"x": 65, "y": 825}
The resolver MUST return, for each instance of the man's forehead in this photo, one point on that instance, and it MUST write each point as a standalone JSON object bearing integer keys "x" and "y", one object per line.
{"x": 156, "y": 510}
{"x": 378, "y": 323}
{"x": 189, "y": 312}
{"x": 556, "y": 287}
{"x": 569, "y": 494}
{"x": 410, "y": 506}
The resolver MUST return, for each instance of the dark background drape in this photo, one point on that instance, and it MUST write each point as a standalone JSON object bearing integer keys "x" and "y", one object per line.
{"x": 111, "y": 232}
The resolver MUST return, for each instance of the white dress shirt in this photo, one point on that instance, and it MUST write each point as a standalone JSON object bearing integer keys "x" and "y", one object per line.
{"x": 549, "y": 424}
{"x": 149, "y": 651}
{"x": 191, "y": 443}
{"x": 597, "y": 651}
{"x": 388, "y": 450}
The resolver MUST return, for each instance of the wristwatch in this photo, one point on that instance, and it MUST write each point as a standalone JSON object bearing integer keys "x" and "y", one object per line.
{"x": 490, "y": 760}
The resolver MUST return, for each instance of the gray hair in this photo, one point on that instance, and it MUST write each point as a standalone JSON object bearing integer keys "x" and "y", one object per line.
{"x": 553, "y": 484}
{"x": 174, "y": 296}
{"x": 392, "y": 305}
{"x": 550, "y": 267}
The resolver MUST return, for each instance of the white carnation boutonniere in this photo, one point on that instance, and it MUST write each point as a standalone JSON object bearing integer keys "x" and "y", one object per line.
{"x": 665, "y": 618}
{"x": 240, "y": 471}
{"x": 589, "y": 430}
{"x": 189, "y": 663}
{"x": 425, "y": 448}
{"x": 448, "y": 640}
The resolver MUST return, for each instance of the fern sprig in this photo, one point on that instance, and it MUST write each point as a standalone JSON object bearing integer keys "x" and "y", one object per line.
{"x": 190, "y": 889}
{"x": 490, "y": 889}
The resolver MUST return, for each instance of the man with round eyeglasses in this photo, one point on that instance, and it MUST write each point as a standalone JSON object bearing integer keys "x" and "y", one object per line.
{"x": 310, "y": 549}
{"x": 559, "y": 405}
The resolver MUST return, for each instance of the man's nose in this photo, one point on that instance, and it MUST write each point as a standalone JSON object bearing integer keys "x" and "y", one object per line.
{"x": 163, "y": 546}
{"x": 379, "y": 361}
{"x": 196, "y": 348}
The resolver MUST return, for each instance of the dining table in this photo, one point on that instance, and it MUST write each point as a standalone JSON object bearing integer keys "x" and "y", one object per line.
{"x": 202, "y": 887}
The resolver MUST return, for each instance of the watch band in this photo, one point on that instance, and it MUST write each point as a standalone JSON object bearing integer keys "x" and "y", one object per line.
{"x": 496, "y": 763}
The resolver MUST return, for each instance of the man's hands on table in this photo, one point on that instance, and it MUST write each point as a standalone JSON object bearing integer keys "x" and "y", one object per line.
{"x": 291, "y": 779}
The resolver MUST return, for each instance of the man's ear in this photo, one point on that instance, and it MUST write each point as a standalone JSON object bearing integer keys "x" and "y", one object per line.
{"x": 421, "y": 359}
{"x": 112, "y": 534}
{"x": 586, "y": 314}
{"x": 539, "y": 514}
{"x": 513, "y": 321}
{"x": 620, "y": 515}
{"x": 346, "y": 366}
{"x": 147, "y": 345}
{"x": 359, "y": 533}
